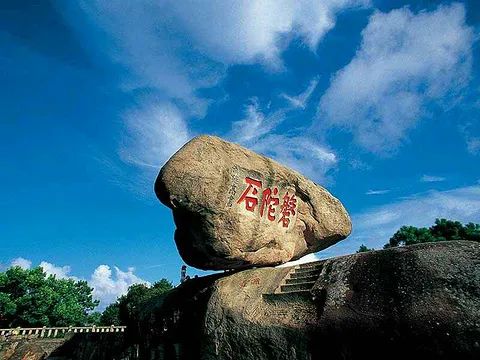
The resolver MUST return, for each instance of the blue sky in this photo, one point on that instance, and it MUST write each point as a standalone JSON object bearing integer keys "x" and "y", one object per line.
{"x": 378, "y": 101}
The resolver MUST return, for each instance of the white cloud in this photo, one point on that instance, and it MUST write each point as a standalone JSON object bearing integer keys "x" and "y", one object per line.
{"x": 405, "y": 61}
{"x": 377, "y": 192}
{"x": 470, "y": 132}
{"x": 154, "y": 133}
{"x": 299, "y": 153}
{"x": 174, "y": 48}
{"x": 473, "y": 145}
{"x": 376, "y": 225}
{"x": 430, "y": 178}
{"x": 21, "y": 262}
{"x": 177, "y": 47}
{"x": 255, "y": 124}
{"x": 300, "y": 101}
{"x": 107, "y": 287}
{"x": 60, "y": 272}
{"x": 256, "y": 132}
{"x": 247, "y": 31}
{"x": 306, "y": 259}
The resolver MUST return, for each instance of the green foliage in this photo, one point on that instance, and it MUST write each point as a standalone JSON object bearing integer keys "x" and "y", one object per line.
{"x": 161, "y": 286}
{"x": 409, "y": 235}
{"x": 94, "y": 318}
{"x": 125, "y": 311}
{"x": 111, "y": 315}
{"x": 30, "y": 298}
{"x": 443, "y": 230}
{"x": 472, "y": 232}
{"x": 363, "y": 248}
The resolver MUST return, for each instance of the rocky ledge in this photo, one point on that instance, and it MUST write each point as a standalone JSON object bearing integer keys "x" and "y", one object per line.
{"x": 418, "y": 301}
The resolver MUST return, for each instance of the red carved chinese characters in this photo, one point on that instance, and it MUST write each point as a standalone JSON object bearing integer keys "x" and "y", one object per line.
{"x": 250, "y": 201}
{"x": 270, "y": 202}
{"x": 288, "y": 208}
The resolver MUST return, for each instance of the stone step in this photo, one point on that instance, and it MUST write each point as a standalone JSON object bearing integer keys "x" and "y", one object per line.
{"x": 311, "y": 264}
{"x": 297, "y": 287}
{"x": 309, "y": 268}
{"x": 298, "y": 280}
{"x": 303, "y": 274}
{"x": 289, "y": 296}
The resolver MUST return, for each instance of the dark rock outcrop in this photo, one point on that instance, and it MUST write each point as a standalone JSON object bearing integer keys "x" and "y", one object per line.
{"x": 419, "y": 301}
{"x": 91, "y": 346}
{"x": 21, "y": 348}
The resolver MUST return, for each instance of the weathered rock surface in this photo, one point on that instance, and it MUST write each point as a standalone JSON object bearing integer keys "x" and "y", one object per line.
{"x": 91, "y": 346}
{"x": 234, "y": 208}
{"x": 20, "y": 348}
{"x": 420, "y": 301}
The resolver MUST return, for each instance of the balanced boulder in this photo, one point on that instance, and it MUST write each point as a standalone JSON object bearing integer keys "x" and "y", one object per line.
{"x": 234, "y": 208}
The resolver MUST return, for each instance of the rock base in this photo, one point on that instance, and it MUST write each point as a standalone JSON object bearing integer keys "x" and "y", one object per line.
{"x": 417, "y": 301}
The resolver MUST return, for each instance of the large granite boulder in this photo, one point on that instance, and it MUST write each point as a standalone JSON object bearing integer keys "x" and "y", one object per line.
{"x": 419, "y": 301}
{"x": 234, "y": 208}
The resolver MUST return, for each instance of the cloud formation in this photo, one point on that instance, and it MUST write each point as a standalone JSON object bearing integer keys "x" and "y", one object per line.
{"x": 300, "y": 101}
{"x": 377, "y": 192}
{"x": 178, "y": 47}
{"x": 300, "y": 153}
{"x": 154, "y": 133}
{"x": 376, "y": 225}
{"x": 473, "y": 145}
{"x": 107, "y": 286}
{"x": 21, "y": 262}
{"x": 430, "y": 178}
{"x": 255, "y": 124}
{"x": 405, "y": 61}
{"x": 249, "y": 31}
{"x": 257, "y": 131}
{"x": 175, "y": 48}
{"x": 60, "y": 272}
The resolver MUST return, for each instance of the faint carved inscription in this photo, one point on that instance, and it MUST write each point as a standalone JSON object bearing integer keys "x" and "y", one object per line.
{"x": 252, "y": 281}
{"x": 232, "y": 192}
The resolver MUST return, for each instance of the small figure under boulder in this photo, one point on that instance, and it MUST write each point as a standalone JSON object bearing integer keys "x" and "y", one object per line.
{"x": 236, "y": 209}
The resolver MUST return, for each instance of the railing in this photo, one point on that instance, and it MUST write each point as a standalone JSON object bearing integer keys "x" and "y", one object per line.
{"x": 60, "y": 331}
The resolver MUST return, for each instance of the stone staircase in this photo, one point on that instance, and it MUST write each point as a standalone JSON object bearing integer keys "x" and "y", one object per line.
{"x": 298, "y": 282}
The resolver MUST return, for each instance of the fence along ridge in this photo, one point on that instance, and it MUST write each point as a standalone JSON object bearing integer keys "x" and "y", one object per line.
{"x": 55, "y": 331}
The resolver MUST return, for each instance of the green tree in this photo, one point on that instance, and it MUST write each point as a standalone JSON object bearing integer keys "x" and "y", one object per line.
{"x": 111, "y": 315}
{"x": 472, "y": 232}
{"x": 445, "y": 230}
{"x": 163, "y": 285}
{"x": 94, "y": 318}
{"x": 131, "y": 303}
{"x": 30, "y": 298}
{"x": 363, "y": 248}
{"x": 409, "y": 235}
{"x": 442, "y": 230}
{"x": 125, "y": 311}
